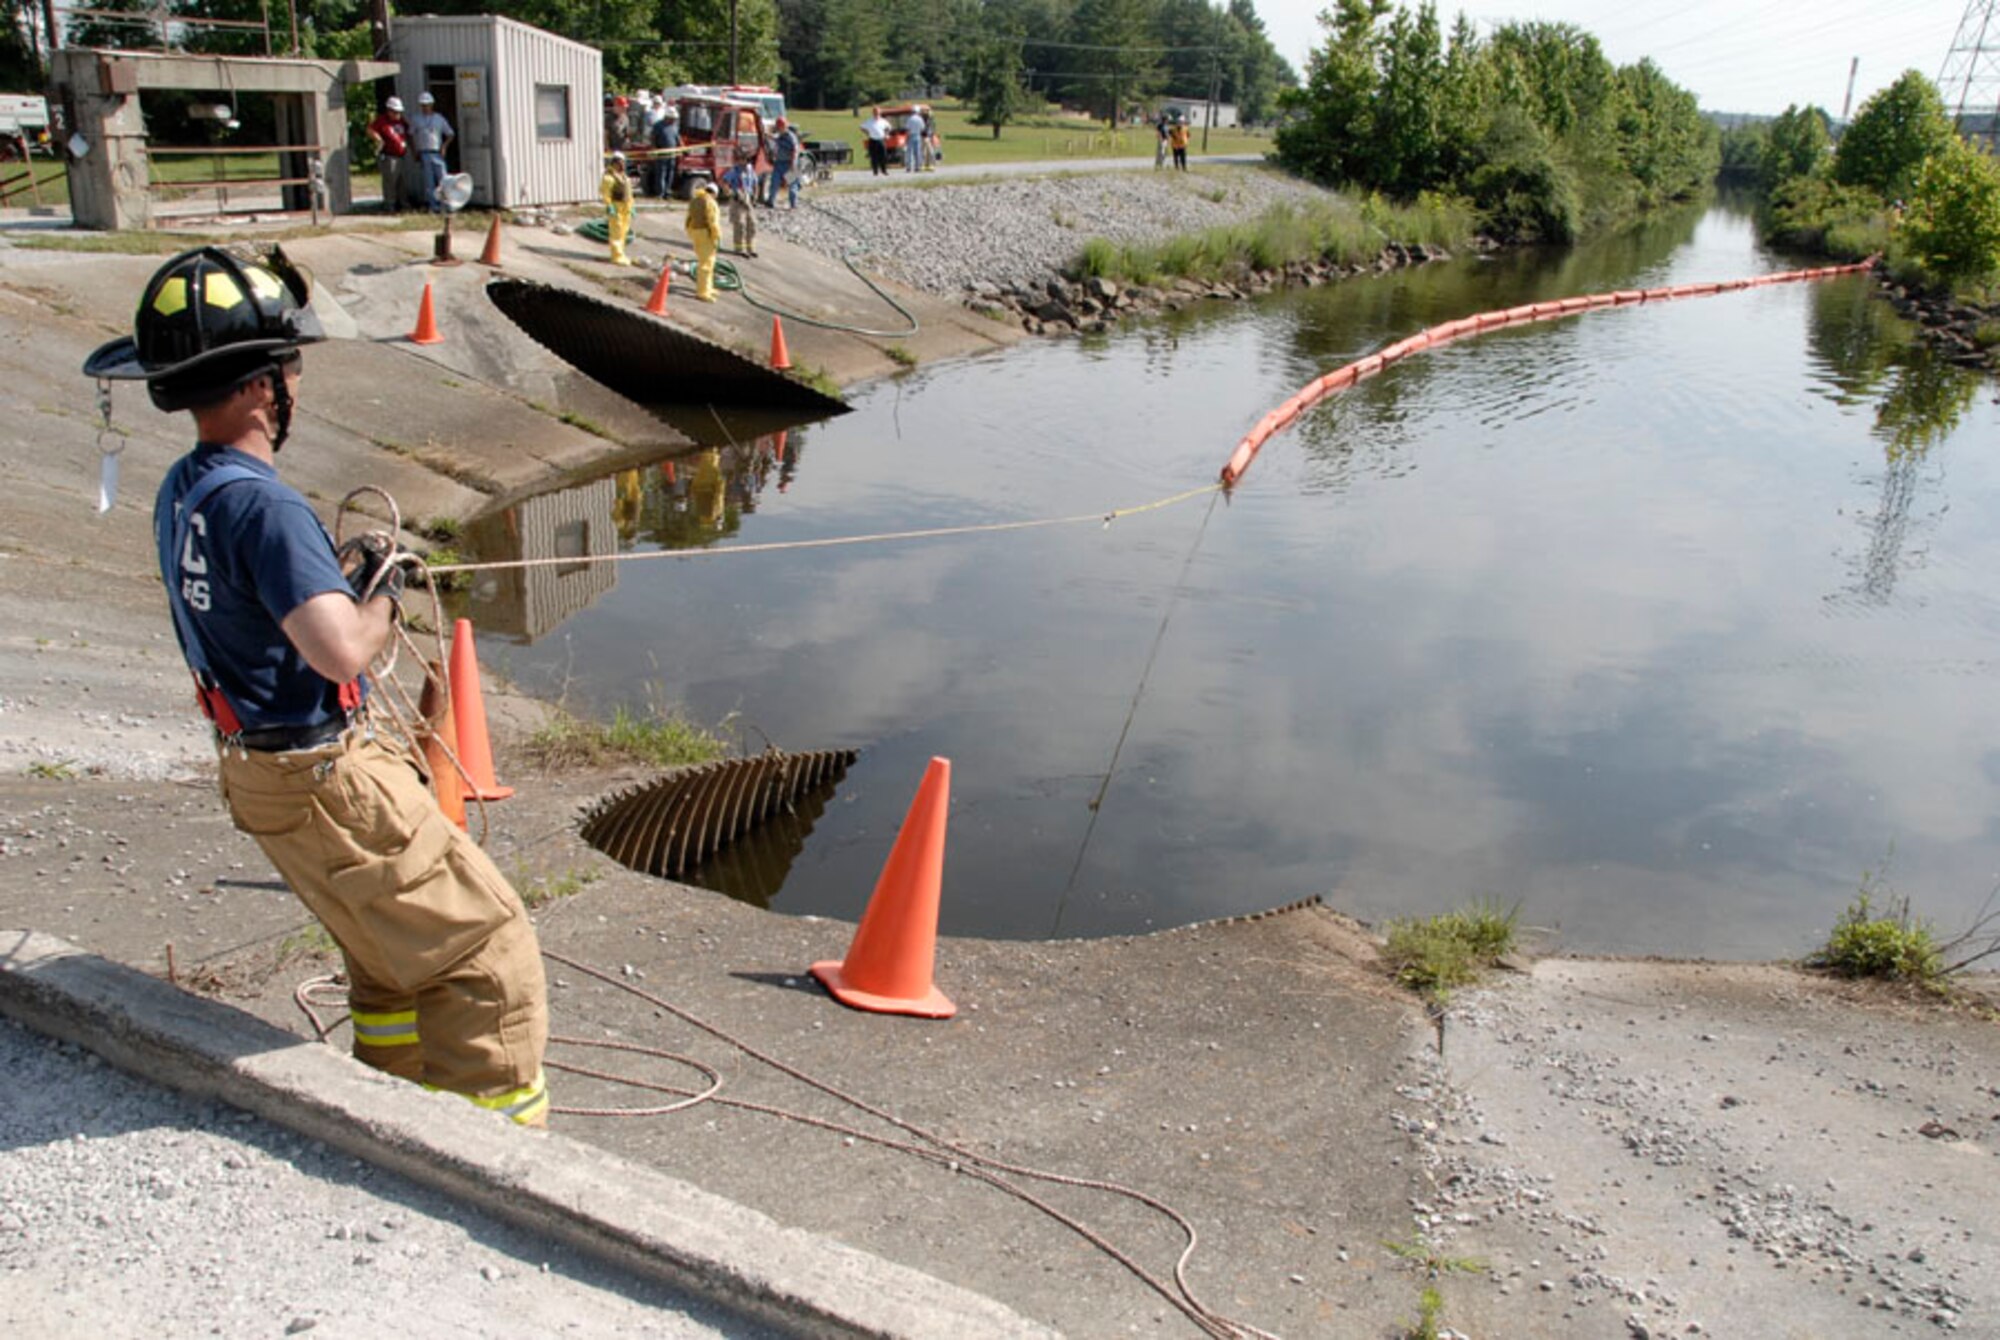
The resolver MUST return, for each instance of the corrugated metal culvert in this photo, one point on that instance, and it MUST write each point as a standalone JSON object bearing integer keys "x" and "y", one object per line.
{"x": 746, "y": 816}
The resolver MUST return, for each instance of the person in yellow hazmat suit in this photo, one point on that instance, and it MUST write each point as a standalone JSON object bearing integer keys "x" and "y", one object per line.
{"x": 616, "y": 192}
{"x": 704, "y": 229}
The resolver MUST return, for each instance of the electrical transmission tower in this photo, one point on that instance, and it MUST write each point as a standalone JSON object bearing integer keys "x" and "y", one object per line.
{"x": 1970, "y": 80}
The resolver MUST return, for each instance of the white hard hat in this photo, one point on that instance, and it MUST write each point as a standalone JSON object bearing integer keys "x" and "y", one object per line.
{"x": 673, "y": 112}
{"x": 705, "y": 185}
{"x": 617, "y": 155}
{"x": 394, "y": 104}
{"x": 426, "y": 98}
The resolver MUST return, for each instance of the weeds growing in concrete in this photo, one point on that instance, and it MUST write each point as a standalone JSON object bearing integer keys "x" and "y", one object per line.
{"x": 310, "y": 939}
{"x": 661, "y": 739}
{"x": 1434, "y": 954}
{"x": 1889, "y": 944}
{"x": 541, "y": 890}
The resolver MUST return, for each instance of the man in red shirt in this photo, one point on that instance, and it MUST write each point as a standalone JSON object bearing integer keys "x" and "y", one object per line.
{"x": 390, "y": 134}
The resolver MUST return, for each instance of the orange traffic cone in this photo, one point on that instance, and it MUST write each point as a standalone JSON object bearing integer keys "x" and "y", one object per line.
{"x": 438, "y": 738}
{"x": 491, "y": 255}
{"x": 468, "y": 711}
{"x": 427, "y": 325}
{"x": 657, "y": 304}
{"x": 888, "y": 967}
{"x": 780, "y": 359}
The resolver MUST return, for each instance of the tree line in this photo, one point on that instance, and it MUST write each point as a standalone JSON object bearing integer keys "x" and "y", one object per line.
{"x": 1897, "y": 180}
{"x": 1532, "y": 124}
{"x": 1007, "y": 55}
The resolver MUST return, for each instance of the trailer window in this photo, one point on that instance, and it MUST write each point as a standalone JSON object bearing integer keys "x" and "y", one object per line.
{"x": 746, "y": 132}
{"x": 552, "y": 111}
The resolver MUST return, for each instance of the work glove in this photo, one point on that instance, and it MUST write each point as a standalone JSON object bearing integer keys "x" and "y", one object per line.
{"x": 369, "y": 563}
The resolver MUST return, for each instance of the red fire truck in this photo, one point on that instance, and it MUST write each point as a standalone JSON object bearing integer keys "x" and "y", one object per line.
{"x": 716, "y": 134}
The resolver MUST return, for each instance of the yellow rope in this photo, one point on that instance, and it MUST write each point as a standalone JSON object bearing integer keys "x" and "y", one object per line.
{"x": 885, "y": 537}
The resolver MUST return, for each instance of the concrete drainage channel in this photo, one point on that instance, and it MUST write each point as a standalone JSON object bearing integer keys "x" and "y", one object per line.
{"x": 649, "y": 360}
{"x": 623, "y": 1213}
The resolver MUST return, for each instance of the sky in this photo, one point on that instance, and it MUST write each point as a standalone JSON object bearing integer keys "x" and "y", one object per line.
{"x": 1736, "y": 55}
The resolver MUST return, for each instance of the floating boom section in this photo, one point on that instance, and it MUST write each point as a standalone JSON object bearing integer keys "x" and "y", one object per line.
{"x": 647, "y": 359}
{"x": 1363, "y": 368}
{"x": 669, "y": 826}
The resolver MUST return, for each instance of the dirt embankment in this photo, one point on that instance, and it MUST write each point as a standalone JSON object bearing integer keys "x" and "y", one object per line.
{"x": 1605, "y": 1149}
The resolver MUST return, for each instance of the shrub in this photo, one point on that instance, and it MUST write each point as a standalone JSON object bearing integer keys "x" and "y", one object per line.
{"x": 1952, "y": 226}
{"x": 1812, "y": 213}
{"x": 1892, "y": 947}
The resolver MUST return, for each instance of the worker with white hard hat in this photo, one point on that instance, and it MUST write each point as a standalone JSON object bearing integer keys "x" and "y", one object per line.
{"x": 389, "y": 132}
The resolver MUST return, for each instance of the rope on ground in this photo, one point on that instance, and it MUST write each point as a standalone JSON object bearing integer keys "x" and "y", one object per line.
{"x": 1432, "y": 336}
{"x": 883, "y": 537}
{"x": 927, "y": 1145}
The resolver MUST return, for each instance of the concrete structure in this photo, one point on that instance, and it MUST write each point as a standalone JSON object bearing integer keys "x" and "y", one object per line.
{"x": 527, "y": 105}
{"x": 102, "y": 94}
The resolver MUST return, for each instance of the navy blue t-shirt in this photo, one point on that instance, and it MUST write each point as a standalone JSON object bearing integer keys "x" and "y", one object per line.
{"x": 254, "y": 553}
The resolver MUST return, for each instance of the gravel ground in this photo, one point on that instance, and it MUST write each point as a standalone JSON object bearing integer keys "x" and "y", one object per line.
{"x": 126, "y": 1209}
{"x": 945, "y": 238}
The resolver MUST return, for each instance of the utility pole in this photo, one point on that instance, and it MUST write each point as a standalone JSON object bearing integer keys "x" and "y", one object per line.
{"x": 51, "y": 37}
{"x": 1970, "y": 79}
{"x": 1214, "y": 94}
{"x": 1847, "y": 103}
{"x": 732, "y": 43}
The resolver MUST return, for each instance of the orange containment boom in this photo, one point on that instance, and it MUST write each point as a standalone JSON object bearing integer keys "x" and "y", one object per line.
{"x": 1431, "y": 337}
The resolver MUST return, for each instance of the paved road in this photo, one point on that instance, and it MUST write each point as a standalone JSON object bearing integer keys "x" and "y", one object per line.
{"x": 857, "y": 173}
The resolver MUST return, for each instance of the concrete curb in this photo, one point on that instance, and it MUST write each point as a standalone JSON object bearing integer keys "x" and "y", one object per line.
{"x": 634, "y": 1218}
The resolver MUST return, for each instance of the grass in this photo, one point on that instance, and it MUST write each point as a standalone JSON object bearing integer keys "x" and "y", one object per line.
{"x": 1346, "y": 232}
{"x": 1430, "y": 1312}
{"x": 542, "y": 890}
{"x": 311, "y": 939}
{"x": 63, "y": 771}
{"x": 1434, "y": 954}
{"x": 1041, "y": 135}
{"x": 660, "y": 739}
{"x": 901, "y": 355}
{"x": 819, "y": 379}
{"x": 586, "y": 424}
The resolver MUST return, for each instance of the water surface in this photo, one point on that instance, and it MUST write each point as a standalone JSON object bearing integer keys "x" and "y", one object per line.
{"x": 1669, "y": 623}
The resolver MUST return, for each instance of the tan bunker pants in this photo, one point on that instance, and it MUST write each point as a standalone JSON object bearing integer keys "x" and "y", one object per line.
{"x": 444, "y": 971}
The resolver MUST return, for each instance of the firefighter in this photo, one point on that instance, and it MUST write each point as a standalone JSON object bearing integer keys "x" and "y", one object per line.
{"x": 704, "y": 229}
{"x": 616, "y": 192}
{"x": 444, "y": 973}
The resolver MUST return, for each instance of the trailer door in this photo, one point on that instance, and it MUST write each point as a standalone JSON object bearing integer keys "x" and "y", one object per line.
{"x": 475, "y": 134}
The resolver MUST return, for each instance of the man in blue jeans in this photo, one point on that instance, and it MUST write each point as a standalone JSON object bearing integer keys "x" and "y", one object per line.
{"x": 914, "y": 130}
{"x": 430, "y": 135}
{"x": 784, "y": 165}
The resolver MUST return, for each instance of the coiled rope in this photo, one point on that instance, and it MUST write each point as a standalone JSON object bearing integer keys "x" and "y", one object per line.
{"x": 392, "y": 709}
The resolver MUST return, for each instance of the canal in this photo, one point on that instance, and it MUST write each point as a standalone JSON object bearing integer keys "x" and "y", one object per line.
{"x": 1672, "y": 625}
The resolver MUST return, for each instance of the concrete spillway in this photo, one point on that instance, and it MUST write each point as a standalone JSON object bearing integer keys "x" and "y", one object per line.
{"x": 646, "y": 358}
